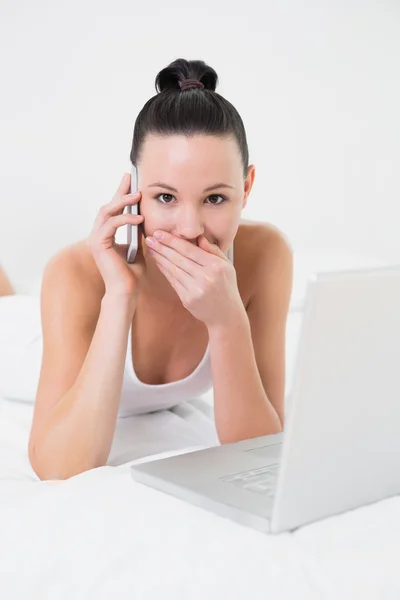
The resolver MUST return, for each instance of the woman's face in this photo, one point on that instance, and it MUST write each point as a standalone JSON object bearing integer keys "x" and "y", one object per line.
{"x": 174, "y": 173}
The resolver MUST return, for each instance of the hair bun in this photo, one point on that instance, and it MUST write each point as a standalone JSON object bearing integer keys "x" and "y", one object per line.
{"x": 181, "y": 69}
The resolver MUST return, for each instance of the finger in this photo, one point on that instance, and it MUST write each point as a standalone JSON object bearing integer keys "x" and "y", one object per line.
{"x": 176, "y": 284}
{"x": 116, "y": 207}
{"x": 182, "y": 262}
{"x": 125, "y": 185}
{"x": 185, "y": 248}
{"x": 184, "y": 277}
{"x": 211, "y": 248}
{"x": 118, "y": 204}
{"x": 109, "y": 228}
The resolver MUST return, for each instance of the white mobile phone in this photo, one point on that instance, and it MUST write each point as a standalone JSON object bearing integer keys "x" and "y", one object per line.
{"x": 133, "y": 234}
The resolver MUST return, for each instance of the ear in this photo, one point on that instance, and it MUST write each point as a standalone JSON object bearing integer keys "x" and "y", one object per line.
{"x": 248, "y": 184}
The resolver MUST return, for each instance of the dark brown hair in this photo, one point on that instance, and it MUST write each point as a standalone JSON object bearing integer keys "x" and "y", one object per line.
{"x": 173, "y": 111}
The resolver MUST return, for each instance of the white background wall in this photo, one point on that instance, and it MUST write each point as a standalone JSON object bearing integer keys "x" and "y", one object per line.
{"x": 316, "y": 83}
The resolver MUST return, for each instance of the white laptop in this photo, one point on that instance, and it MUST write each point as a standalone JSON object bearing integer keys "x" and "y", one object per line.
{"x": 340, "y": 448}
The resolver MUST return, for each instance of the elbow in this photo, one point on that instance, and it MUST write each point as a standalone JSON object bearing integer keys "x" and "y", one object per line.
{"x": 44, "y": 471}
{"x": 41, "y": 469}
{"x": 231, "y": 436}
{"x": 54, "y": 471}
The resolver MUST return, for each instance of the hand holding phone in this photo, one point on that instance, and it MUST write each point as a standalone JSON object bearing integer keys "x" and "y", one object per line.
{"x": 120, "y": 278}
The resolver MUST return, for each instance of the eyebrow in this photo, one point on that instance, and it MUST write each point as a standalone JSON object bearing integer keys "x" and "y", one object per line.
{"x": 207, "y": 189}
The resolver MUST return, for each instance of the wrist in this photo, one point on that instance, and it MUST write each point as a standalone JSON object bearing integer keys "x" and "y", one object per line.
{"x": 235, "y": 319}
{"x": 121, "y": 300}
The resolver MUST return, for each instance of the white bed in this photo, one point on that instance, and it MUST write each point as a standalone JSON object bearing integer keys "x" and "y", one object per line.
{"x": 101, "y": 535}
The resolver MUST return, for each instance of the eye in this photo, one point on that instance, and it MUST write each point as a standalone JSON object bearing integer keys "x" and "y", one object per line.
{"x": 212, "y": 196}
{"x": 218, "y": 196}
{"x": 157, "y": 198}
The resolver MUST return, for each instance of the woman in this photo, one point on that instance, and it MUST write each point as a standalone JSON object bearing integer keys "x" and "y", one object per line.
{"x": 121, "y": 338}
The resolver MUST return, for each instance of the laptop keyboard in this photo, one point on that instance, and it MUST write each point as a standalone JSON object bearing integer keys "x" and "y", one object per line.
{"x": 261, "y": 481}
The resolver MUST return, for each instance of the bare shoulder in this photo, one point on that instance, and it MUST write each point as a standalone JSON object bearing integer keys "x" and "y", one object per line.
{"x": 72, "y": 274}
{"x": 253, "y": 233}
{"x": 77, "y": 261}
{"x": 261, "y": 251}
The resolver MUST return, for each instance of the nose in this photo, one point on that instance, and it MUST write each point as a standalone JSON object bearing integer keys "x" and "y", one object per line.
{"x": 189, "y": 225}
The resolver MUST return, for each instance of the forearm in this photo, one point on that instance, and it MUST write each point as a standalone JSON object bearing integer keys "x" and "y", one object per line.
{"x": 241, "y": 407}
{"x": 79, "y": 431}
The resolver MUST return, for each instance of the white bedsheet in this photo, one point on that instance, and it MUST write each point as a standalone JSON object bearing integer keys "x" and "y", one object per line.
{"x": 100, "y": 535}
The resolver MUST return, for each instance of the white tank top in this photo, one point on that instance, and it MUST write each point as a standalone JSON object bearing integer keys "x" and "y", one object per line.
{"x": 138, "y": 397}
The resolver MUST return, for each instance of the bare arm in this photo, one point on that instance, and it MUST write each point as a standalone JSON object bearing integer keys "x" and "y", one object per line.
{"x": 248, "y": 357}
{"x": 241, "y": 406}
{"x": 73, "y": 431}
